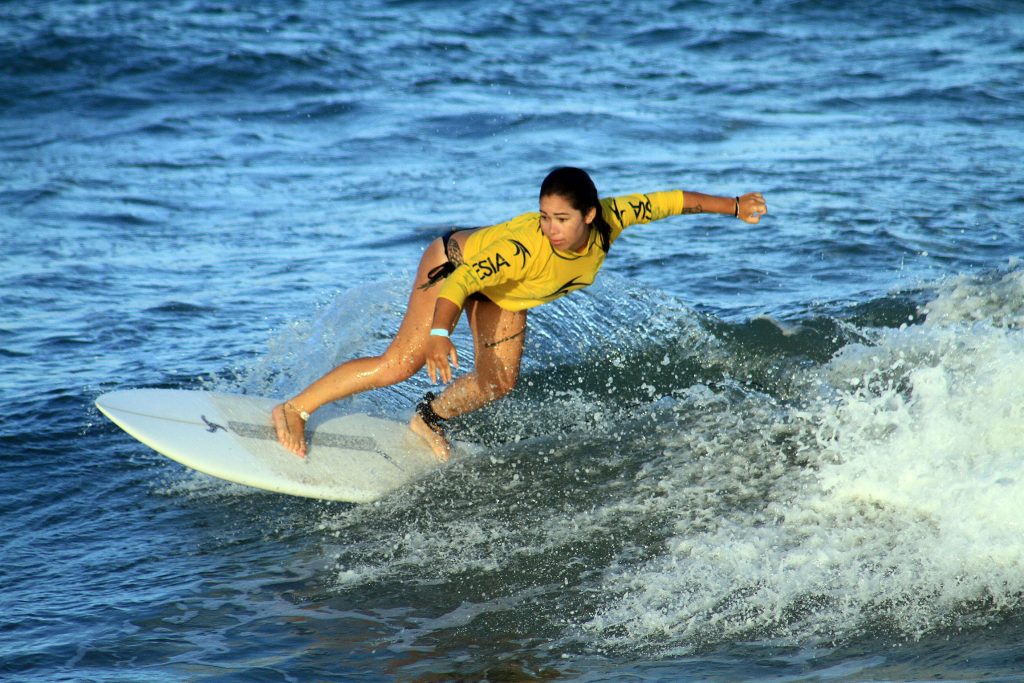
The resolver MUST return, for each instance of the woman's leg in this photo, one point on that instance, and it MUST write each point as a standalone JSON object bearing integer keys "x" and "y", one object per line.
{"x": 498, "y": 339}
{"x": 402, "y": 359}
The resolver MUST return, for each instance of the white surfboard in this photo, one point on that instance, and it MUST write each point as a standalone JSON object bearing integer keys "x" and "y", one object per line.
{"x": 354, "y": 458}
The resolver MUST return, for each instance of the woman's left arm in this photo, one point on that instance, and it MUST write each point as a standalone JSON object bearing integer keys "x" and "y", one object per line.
{"x": 748, "y": 207}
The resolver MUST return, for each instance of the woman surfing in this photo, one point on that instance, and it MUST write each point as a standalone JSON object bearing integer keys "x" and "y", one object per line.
{"x": 496, "y": 274}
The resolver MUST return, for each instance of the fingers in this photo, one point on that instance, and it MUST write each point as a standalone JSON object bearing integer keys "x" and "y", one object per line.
{"x": 433, "y": 370}
{"x": 438, "y": 365}
{"x": 446, "y": 367}
{"x": 752, "y": 207}
{"x": 439, "y": 371}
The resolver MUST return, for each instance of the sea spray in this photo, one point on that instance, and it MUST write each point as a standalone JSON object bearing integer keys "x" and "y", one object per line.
{"x": 695, "y": 482}
{"x": 904, "y": 520}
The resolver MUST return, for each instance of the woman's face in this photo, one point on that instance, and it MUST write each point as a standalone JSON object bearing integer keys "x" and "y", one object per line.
{"x": 565, "y": 227}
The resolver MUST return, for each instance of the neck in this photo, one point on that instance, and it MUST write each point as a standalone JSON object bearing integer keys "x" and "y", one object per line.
{"x": 584, "y": 242}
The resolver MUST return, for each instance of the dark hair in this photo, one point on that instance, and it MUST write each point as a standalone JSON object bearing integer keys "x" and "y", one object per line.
{"x": 576, "y": 186}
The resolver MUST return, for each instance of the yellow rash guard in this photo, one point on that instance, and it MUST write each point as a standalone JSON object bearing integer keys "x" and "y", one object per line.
{"x": 514, "y": 265}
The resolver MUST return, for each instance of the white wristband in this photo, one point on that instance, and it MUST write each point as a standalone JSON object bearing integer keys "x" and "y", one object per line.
{"x": 439, "y": 332}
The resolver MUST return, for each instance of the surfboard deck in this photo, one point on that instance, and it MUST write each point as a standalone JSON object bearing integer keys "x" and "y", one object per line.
{"x": 353, "y": 458}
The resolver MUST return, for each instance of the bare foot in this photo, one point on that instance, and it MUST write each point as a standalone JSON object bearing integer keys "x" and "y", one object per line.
{"x": 290, "y": 428}
{"x": 442, "y": 449}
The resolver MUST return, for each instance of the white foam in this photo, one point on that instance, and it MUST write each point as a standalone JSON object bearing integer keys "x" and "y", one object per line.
{"x": 911, "y": 514}
{"x": 996, "y": 299}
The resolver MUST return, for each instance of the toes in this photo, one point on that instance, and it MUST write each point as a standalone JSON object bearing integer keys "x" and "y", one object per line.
{"x": 286, "y": 435}
{"x": 280, "y": 425}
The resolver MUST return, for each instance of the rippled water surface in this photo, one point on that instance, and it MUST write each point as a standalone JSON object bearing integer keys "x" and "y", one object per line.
{"x": 789, "y": 451}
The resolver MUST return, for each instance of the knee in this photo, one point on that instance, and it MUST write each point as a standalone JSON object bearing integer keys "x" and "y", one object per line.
{"x": 502, "y": 382}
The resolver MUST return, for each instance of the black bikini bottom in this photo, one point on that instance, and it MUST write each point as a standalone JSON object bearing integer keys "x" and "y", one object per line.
{"x": 438, "y": 273}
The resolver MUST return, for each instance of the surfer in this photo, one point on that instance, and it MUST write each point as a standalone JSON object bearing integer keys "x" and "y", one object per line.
{"x": 495, "y": 274}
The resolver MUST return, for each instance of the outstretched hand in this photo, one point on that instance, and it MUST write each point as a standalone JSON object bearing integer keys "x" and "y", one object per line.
{"x": 751, "y": 207}
{"x": 439, "y": 350}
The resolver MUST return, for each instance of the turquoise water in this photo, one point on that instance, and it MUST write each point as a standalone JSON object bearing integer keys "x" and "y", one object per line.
{"x": 788, "y": 451}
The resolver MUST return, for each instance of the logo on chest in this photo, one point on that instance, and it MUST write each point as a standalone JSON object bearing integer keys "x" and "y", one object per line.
{"x": 490, "y": 265}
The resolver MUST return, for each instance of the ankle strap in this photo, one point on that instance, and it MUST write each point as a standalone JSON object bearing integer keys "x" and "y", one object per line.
{"x": 425, "y": 409}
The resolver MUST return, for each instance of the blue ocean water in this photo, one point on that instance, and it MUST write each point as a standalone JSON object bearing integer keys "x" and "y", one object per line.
{"x": 789, "y": 451}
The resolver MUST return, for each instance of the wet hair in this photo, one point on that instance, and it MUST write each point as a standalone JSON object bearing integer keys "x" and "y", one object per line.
{"x": 575, "y": 185}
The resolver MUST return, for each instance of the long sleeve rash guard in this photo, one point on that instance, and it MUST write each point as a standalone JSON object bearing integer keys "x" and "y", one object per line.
{"x": 514, "y": 265}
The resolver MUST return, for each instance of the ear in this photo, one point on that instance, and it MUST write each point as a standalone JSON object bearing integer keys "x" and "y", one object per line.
{"x": 590, "y": 215}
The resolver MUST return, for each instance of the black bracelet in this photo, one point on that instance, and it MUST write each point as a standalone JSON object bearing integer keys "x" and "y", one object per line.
{"x": 737, "y": 213}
